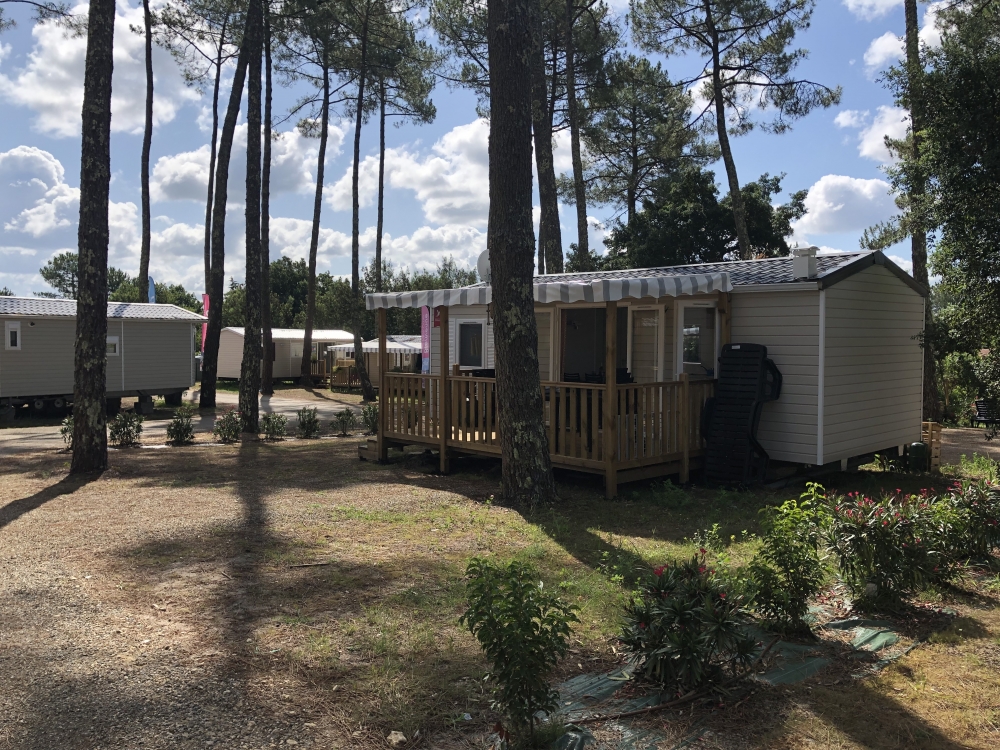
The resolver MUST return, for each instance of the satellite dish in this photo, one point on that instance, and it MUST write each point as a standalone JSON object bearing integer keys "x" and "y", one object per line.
{"x": 483, "y": 266}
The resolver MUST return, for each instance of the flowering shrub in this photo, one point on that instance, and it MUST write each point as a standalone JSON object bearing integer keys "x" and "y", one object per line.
{"x": 345, "y": 421}
{"x": 228, "y": 427}
{"x": 369, "y": 417}
{"x": 67, "y": 431}
{"x": 977, "y": 504}
{"x": 685, "y": 629}
{"x": 891, "y": 545}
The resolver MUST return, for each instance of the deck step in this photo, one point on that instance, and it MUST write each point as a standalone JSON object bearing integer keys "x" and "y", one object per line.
{"x": 368, "y": 451}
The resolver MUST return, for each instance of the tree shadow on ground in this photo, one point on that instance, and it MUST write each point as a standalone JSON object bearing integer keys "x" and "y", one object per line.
{"x": 66, "y": 486}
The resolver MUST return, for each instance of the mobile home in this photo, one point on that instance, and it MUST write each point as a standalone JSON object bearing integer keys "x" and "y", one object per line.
{"x": 287, "y": 351}
{"x": 151, "y": 351}
{"x": 843, "y": 329}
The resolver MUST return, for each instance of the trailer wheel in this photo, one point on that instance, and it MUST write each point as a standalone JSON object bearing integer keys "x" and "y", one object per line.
{"x": 38, "y": 404}
{"x": 59, "y": 403}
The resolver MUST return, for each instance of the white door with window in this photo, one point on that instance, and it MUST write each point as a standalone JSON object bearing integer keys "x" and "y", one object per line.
{"x": 471, "y": 344}
{"x": 697, "y": 339}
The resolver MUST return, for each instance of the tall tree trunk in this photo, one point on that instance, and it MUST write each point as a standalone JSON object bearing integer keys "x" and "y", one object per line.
{"x": 739, "y": 209}
{"x": 367, "y": 391}
{"x": 305, "y": 370}
{"x": 633, "y": 183}
{"x": 212, "y": 157}
{"x": 147, "y": 140}
{"x": 210, "y": 361}
{"x": 917, "y": 187}
{"x": 250, "y": 368}
{"x": 381, "y": 185}
{"x": 267, "y": 370}
{"x": 579, "y": 189}
{"x": 550, "y": 257}
{"x": 90, "y": 439}
{"x": 527, "y": 468}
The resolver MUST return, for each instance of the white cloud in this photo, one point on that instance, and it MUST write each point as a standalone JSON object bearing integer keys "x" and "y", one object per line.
{"x": 291, "y": 237}
{"x": 883, "y": 52}
{"x": 451, "y": 182}
{"x": 51, "y": 83}
{"x": 427, "y": 246}
{"x": 871, "y": 9}
{"x": 851, "y": 118}
{"x": 838, "y": 203}
{"x": 184, "y": 176}
{"x": 889, "y": 121}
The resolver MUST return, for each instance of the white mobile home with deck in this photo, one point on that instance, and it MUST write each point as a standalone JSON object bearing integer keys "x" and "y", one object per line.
{"x": 843, "y": 329}
{"x": 287, "y": 353}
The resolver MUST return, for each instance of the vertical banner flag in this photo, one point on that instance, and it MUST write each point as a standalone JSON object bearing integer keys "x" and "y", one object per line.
{"x": 152, "y": 291}
{"x": 425, "y": 339}
{"x": 204, "y": 326}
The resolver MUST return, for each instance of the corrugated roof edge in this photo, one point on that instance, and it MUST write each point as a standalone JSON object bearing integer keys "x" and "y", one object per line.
{"x": 877, "y": 258}
{"x": 186, "y": 315}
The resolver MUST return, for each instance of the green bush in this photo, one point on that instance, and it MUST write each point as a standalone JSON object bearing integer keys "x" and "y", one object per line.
{"x": 369, "y": 417}
{"x": 684, "y": 629}
{"x": 887, "y": 546}
{"x": 67, "y": 431}
{"x": 180, "y": 431}
{"x": 126, "y": 429}
{"x": 273, "y": 426}
{"x": 345, "y": 421}
{"x": 523, "y": 629}
{"x": 976, "y": 504}
{"x": 308, "y": 422}
{"x": 228, "y": 426}
{"x": 787, "y": 570}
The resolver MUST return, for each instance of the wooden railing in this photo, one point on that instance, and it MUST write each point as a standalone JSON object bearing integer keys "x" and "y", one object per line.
{"x": 650, "y": 426}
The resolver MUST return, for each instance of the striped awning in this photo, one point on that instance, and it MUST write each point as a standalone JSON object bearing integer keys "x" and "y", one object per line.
{"x": 602, "y": 289}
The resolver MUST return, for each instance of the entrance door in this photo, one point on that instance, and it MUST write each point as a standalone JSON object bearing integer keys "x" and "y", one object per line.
{"x": 646, "y": 345}
{"x": 582, "y": 334}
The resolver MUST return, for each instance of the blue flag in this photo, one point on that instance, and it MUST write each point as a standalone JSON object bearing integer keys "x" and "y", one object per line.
{"x": 152, "y": 291}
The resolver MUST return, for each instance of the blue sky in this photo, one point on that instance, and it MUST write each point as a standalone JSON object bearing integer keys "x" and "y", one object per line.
{"x": 436, "y": 201}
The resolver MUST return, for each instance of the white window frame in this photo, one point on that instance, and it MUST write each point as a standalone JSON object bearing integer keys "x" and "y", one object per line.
{"x": 458, "y": 342}
{"x": 118, "y": 348}
{"x": 679, "y": 332}
{"x": 11, "y": 325}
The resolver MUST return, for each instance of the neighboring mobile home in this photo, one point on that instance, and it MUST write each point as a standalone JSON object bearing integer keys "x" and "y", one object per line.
{"x": 287, "y": 352}
{"x": 151, "y": 351}
{"x": 403, "y": 355}
{"x": 843, "y": 329}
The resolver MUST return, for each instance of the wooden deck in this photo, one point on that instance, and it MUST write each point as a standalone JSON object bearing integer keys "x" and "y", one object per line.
{"x": 653, "y": 429}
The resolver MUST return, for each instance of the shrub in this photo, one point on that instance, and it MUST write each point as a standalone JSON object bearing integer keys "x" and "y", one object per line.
{"x": 369, "y": 418}
{"x": 685, "y": 630}
{"x": 787, "y": 571}
{"x": 180, "y": 431}
{"x": 273, "y": 426}
{"x": 228, "y": 426}
{"x": 976, "y": 504}
{"x": 345, "y": 421}
{"x": 67, "y": 431}
{"x": 523, "y": 630}
{"x": 308, "y": 422}
{"x": 883, "y": 546}
{"x": 125, "y": 430}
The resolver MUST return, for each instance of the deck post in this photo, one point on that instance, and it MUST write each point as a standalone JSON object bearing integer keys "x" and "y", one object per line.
{"x": 725, "y": 319}
{"x": 383, "y": 391}
{"x": 685, "y": 427}
{"x": 444, "y": 397}
{"x": 610, "y": 399}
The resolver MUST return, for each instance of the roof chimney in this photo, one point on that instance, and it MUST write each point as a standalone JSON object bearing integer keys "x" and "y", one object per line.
{"x": 804, "y": 263}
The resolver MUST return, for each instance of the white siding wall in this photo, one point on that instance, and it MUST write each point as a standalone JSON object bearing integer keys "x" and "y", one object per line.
{"x": 787, "y": 323}
{"x": 230, "y": 354}
{"x": 874, "y": 365}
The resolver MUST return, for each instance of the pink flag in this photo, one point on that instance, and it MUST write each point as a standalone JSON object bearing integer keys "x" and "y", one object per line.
{"x": 204, "y": 326}
{"x": 425, "y": 339}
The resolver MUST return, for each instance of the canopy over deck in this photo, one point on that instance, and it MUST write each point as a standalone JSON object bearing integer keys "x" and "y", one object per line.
{"x": 393, "y": 345}
{"x": 601, "y": 286}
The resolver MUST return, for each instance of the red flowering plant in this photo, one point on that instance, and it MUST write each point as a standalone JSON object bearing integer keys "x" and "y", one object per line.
{"x": 889, "y": 545}
{"x": 685, "y": 629}
{"x": 975, "y": 530}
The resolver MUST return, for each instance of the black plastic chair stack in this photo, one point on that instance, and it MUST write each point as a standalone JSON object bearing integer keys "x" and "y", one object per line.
{"x": 747, "y": 380}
